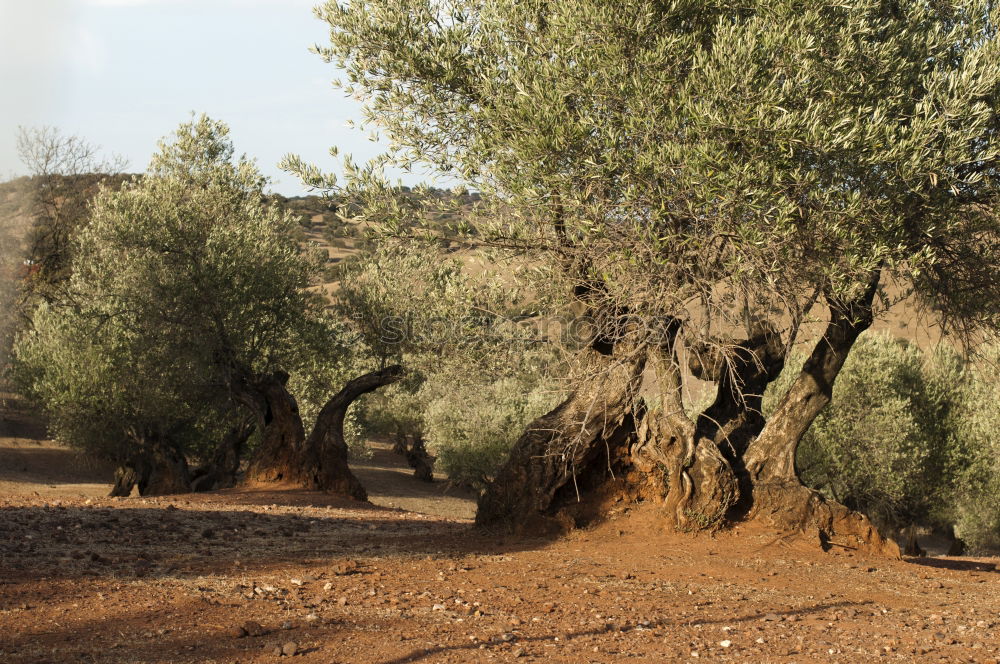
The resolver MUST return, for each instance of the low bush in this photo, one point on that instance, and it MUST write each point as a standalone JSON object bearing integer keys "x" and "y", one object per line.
{"x": 471, "y": 427}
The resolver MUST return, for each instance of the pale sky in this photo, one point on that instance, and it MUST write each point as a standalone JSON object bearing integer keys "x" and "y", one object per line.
{"x": 124, "y": 73}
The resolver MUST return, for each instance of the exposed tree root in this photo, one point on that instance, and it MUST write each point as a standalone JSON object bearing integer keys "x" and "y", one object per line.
{"x": 792, "y": 507}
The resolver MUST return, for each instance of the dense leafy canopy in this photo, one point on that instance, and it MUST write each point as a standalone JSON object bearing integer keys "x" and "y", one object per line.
{"x": 183, "y": 283}
{"x": 705, "y": 159}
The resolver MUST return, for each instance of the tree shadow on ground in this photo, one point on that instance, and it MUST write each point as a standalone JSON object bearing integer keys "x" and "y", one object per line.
{"x": 956, "y": 564}
{"x": 128, "y": 634}
{"x": 417, "y": 655}
{"x": 58, "y": 541}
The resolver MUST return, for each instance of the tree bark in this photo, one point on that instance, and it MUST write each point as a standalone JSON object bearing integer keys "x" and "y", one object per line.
{"x": 325, "y": 458}
{"x": 126, "y": 477}
{"x": 276, "y": 457}
{"x": 574, "y": 444}
{"x": 699, "y": 481}
{"x": 221, "y": 470}
{"x": 771, "y": 456}
{"x": 779, "y": 498}
{"x": 286, "y": 455}
{"x": 726, "y": 464}
{"x": 420, "y": 461}
{"x": 156, "y": 467}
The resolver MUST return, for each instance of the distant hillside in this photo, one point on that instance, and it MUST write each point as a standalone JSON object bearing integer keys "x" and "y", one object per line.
{"x": 325, "y": 222}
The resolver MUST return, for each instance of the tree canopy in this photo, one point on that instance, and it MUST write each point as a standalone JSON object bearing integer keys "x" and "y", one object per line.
{"x": 701, "y": 156}
{"x": 701, "y": 176}
{"x": 187, "y": 289}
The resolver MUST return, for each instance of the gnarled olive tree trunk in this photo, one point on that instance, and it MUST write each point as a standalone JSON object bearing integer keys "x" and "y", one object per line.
{"x": 569, "y": 445}
{"x": 779, "y": 498}
{"x": 221, "y": 470}
{"x": 285, "y": 454}
{"x": 727, "y": 463}
{"x": 156, "y": 466}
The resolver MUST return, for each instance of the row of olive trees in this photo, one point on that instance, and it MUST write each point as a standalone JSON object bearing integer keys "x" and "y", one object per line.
{"x": 694, "y": 177}
{"x": 181, "y": 325}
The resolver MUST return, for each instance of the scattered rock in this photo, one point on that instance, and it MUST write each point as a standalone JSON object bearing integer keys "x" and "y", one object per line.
{"x": 253, "y": 628}
{"x": 346, "y": 567}
{"x": 290, "y": 649}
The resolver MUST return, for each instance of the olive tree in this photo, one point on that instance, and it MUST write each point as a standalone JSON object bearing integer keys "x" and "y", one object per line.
{"x": 480, "y": 365}
{"x": 702, "y": 177}
{"x": 188, "y": 300}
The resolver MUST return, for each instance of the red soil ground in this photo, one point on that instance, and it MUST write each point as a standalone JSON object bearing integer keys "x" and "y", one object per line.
{"x": 236, "y": 576}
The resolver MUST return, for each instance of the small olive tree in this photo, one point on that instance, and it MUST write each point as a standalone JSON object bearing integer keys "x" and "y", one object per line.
{"x": 480, "y": 366}
{"x": 188, "y": 293}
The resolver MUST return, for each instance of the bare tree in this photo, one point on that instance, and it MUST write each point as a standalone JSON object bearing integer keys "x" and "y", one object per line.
{"x": 65, "y": 173}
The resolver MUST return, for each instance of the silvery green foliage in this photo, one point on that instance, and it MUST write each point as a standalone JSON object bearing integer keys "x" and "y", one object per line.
{"x": 89, "y": 372}
{"x": 479, "y": 369}
{"x": 13, "y": 229}
{"x": 416, "y": 300}
{"x": 472, "y": 424}
{"x": 182, "y": 281}
{"x": 699, "y": 159}
{"x": 875, "y": 447}
{"x": 975, "y": 459}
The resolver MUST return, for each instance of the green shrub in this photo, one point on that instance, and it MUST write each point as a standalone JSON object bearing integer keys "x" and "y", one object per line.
{"x": 471, "y": 427}
{"x": 468, "y": 420}
{"x": 396, "y": 411}
{"x": 974, "y": 462}
{"x": 908, "y": 437}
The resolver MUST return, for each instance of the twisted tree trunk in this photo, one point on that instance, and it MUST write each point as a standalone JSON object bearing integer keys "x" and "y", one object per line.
{"x": 222, "y": 468}
{"x": 286, "y": 454}
{"x": 572, "y": 444}
{"x": 779, "y": 498}
{"x": 728, "y": 463}
{"x": 156, "y": 467}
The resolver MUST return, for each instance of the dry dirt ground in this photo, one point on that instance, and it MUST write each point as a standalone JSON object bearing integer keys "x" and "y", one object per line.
{"x": 245, "y": 576}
